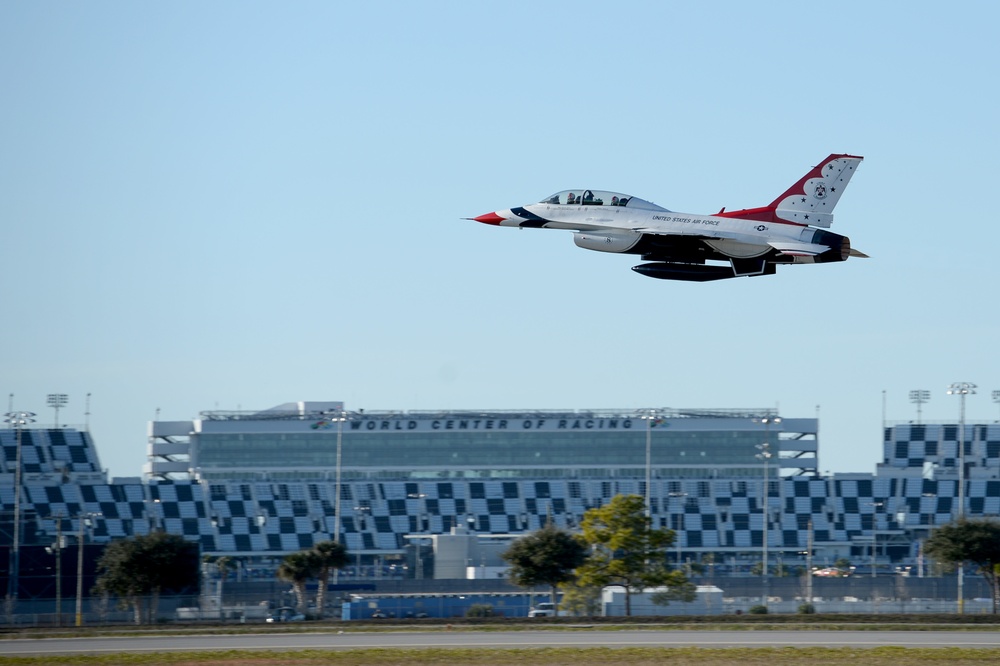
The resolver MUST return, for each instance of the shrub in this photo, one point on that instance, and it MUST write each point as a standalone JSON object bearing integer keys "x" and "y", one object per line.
{"x": 758, "y": 610}
{"x": 806, "y": 609}
{"x": 479, "y": 610}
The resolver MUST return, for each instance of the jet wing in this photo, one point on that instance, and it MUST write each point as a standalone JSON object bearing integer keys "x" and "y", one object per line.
{"x": 794, "y": 249}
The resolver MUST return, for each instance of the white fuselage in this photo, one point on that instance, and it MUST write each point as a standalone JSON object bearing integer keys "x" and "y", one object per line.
{"x": 619, "y": 229}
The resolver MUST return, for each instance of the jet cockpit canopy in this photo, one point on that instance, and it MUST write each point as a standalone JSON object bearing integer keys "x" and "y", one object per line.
{"x": 598, "y": 198}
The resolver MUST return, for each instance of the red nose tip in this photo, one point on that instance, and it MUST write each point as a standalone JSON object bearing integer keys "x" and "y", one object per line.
{"x": 489, "y": 218}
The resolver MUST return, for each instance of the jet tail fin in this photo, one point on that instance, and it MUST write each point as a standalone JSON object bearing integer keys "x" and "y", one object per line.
{"x": 811, "y": 200}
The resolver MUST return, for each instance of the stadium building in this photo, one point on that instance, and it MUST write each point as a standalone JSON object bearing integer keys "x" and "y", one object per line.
{"x": 271, "y": 477}
{"x": 258, "y": 485}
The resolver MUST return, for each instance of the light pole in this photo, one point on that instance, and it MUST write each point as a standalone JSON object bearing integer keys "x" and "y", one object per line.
{"x": 85, "y": 521}
{"x": 56, "y": 550}
{"x": 809, "y": 563}
{"x": 875, "y": 508}
{"x": 919, "y": 397}
{"x": 961, "y": 389}
{"x": 765, "y": 455}
{"x": 340, "y": 418}
{"x": 153, "y": 509}
{"x": 678, "y": 495}
{"x": 18, "y": 420}
{"x": 59, "y": 545}
{"x": 649, "y": 417}
{"x": 423, "y": 523}
{"x": 57, "y": 401}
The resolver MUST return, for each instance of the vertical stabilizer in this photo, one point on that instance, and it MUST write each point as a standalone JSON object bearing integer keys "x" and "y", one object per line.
{"x": 811, "y": 200}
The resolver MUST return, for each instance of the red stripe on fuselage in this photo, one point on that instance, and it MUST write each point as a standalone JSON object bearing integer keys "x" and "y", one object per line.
{"x": 763, "y": 214}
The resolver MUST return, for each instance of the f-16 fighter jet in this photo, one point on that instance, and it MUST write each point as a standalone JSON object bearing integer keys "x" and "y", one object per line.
{"x": 680, "y": 246}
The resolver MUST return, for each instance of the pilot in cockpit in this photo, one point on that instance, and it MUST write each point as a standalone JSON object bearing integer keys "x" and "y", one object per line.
{"x": 570, "y": 198}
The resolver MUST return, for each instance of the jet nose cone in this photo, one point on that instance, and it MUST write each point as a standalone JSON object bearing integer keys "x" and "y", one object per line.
{"x": 489, "y": 218}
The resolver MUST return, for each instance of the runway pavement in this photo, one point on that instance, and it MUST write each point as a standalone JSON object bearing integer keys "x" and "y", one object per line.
{"x": 501, "y": 639}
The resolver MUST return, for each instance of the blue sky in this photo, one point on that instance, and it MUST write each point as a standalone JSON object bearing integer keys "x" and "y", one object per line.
{"x": 239, "y": 204}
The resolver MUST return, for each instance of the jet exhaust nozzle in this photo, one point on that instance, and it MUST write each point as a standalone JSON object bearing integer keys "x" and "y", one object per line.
{"x": 840, "y": 247}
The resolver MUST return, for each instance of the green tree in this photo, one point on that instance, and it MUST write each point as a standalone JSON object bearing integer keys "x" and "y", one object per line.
{"x": 143, "y": 567}
{"x": 330, "y": 556}
{"x": 627, "y": 550}
{"x": 975, "y": 540}
{"x": 679, "y": 588}
{"x": 580, "y": 599}
{"x": 225, "y": 564}
{"x": 547, "y": 556}
{"x": 299, "y": 568}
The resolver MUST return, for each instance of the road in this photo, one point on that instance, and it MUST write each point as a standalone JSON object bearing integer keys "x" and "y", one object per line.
{"x": 501, "y": 639}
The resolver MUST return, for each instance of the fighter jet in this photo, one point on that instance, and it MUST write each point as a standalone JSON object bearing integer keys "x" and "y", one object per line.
{"x": 680, "y": 246}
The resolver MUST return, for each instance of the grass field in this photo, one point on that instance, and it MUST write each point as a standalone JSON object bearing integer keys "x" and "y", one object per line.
{"x": 542, "y": 657}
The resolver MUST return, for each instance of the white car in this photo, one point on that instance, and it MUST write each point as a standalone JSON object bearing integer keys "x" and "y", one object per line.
{"x": 544, "y": 609}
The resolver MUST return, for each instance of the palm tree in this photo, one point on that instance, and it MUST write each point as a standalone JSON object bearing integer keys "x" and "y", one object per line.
{"x": 297, "y": 568}
{"x": 331, "y": 555}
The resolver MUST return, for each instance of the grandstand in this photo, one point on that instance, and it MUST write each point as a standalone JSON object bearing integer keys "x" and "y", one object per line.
{"x": 261, "y": 484}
